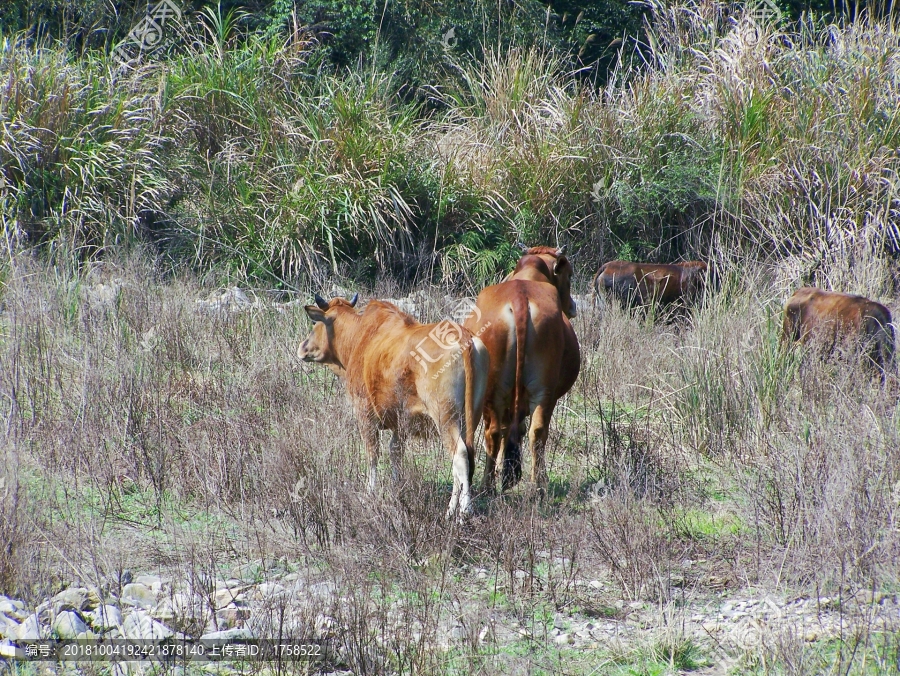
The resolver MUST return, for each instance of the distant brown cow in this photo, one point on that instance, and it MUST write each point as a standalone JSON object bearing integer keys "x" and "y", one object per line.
{"x": 643, "y": 283}
{"x": 534, "y": 356}
{"x": 827, "y": 318}
{"x": 399, "y": 373}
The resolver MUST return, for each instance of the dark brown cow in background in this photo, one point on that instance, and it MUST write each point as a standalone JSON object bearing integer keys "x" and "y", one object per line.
{"x": 534, "y": 357}
{"x": 399, "y": 373}
{"x": 644, "y": 283}
{"x": 827, "y": 318}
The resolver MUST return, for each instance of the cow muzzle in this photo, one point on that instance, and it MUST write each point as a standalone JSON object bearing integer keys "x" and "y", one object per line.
{"x": 303, "y": 352}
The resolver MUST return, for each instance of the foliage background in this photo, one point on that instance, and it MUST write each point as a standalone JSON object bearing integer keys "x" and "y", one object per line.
{"x": 284, "y": 140}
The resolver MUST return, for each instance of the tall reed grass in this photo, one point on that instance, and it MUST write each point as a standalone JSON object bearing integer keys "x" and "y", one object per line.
{"x": 718, "y": 136}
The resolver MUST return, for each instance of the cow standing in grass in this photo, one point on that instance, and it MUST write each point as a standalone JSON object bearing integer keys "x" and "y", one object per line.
{"x": 534, "y": 356}
{"x": 828, "y": 318}
{"x": 644, "y": 283}
{"x": 398, "y": 374}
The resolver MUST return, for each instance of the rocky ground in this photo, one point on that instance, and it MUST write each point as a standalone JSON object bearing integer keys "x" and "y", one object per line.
{"x": 150, "y": 606}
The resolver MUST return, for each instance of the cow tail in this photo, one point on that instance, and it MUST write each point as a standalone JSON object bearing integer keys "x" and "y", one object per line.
{"x": 469, "y": 438}
{"x": 597, "y": 282}
{"x": 512, "y": 457}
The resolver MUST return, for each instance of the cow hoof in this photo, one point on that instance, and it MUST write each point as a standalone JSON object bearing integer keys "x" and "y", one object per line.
{"x": 511, "y": 480}
{"x": 488, "y": 491}
{"x": 536, "y": 491}
{"x": 454, "y": 514}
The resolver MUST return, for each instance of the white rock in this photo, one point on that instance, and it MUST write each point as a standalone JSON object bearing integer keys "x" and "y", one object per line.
{"x": 270, "y": 589}
{"x": 139, "y": 625}
{"x": 153, "y": 581}
{"x": 30, "y": 629}
{"x": 8, "y": 627}
{"x": 74, "y": 598}
{"x": 320, "y": 589}
{"x": 188, "y": 605}
{"x": 68, "y": 624}
{"x": 20, "y": 605}
{"x": 225, "y": 596}
{"x": 231, "y": 300}
{"x": 137, "y": 594}
{"x": 163, "y": 610}
{"x": 563, "y": 639}
{"x": 105, "y": 618}
{"x": 228, "y": 634}
{"x": 325, "y": 625}
{"x": 13, "y": 609}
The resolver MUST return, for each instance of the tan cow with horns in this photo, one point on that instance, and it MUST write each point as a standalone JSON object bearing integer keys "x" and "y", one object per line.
{"x": 535, "y": 359}
{"x": 398, "y": 374}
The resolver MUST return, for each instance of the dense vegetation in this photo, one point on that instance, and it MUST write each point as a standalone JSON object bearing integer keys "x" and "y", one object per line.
{"x": 243, "y": 147}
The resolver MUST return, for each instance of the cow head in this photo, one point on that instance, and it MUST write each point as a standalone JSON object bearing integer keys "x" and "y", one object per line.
{"x": 319, "y": 345}
{"x": 556, "y": 267}
{"x": 696, "y": 276}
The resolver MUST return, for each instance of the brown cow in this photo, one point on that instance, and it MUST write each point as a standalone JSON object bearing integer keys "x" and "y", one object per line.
{"x": 827, "y": 318}
{"x": 643, "y": 283}
{"x": 399, "y": 373}
{"x": 534, "y": 359}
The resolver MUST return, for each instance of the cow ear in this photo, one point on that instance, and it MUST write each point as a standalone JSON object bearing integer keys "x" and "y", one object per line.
{"x": 315, "y": 313}
{"x": 561, "y": 262}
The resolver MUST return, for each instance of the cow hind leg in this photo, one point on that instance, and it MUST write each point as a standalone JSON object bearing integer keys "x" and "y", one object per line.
{"x": 537, "y": 437}
{"x": 512, "y": 453}
{"x": 463, "y": 458}
{"x": 369, "y": 434}
{"x": 396, "y": 455}
{"x": 493, "y": 438}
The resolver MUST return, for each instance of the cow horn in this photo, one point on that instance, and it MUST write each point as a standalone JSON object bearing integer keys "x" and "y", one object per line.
{"x": 354, "y": 299}
{"x": 321, "y": 302}
{"x": 561, "y": 251}
{"x": 522, "y": 246}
